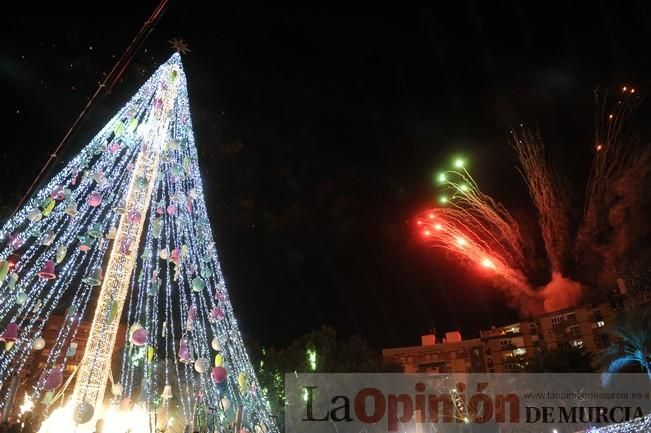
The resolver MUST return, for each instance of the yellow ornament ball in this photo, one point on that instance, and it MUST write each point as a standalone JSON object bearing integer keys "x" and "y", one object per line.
{"x": 241, "y": 380}
{"x": 151, "y": 352}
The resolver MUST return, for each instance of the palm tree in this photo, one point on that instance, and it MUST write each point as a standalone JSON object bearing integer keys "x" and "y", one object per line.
{"x": 633, "y": 348}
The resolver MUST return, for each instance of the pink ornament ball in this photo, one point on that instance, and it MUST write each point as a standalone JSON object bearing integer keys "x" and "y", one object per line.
{"x": 53, "y": 380}
{"x": 94, "y": 199}
{"x": 175, "y": 255}
{"x": 139, "y": 337}
{"x": 218, "y": 374}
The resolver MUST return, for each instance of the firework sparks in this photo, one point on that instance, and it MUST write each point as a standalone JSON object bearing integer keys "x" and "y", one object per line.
{"x": 548, "y": 193}
{"x": 618, "y": 145}
{"x": 441, "y": 228}
{"x": 613, "y": 207}
{"x": 481, "y": 231}
{"x": 491, "y": 224}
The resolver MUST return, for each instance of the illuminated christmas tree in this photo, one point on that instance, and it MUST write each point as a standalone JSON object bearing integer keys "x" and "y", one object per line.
{"x": 122, "y": 234}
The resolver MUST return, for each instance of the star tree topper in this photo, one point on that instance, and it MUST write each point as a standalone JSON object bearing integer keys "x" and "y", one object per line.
{"x": 180, "y": 46}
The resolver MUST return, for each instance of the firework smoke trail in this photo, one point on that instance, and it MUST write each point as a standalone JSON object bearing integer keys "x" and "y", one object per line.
{"x": 611, "y": 220}
{"x": 549, "y": 195}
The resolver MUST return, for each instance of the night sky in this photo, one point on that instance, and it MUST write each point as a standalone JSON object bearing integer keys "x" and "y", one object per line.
{"x": 319, "y": 130}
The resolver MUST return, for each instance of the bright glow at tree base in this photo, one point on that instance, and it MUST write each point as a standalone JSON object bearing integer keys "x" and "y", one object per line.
{"x": 115, "y": 421}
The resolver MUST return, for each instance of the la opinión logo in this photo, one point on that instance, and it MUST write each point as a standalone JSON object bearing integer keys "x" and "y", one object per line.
{"x": 372, "y": 405}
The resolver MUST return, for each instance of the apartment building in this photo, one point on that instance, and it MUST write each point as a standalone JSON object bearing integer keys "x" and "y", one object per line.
{"x": 508, "y": 348}
{"x": 451, "y": 355}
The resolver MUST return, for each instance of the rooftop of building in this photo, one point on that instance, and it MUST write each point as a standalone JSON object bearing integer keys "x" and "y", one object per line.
{"x": 452, "y": 341}
{"x": 511, "y": 329}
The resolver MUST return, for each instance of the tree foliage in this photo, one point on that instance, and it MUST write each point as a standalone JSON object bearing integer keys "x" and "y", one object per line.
{"x": 333, "y": 355}
{"x": 566, "y": 359}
